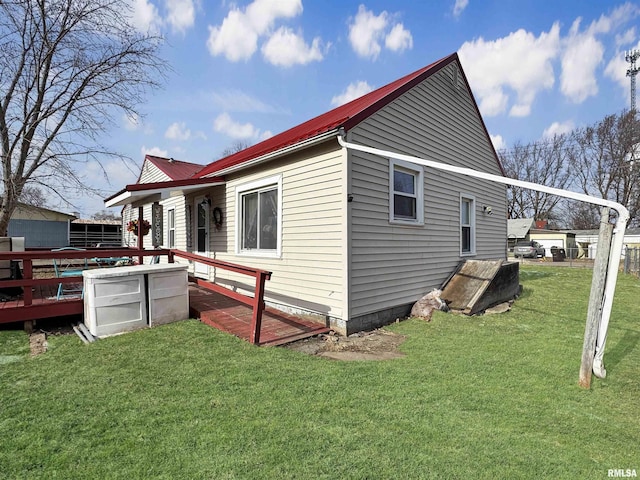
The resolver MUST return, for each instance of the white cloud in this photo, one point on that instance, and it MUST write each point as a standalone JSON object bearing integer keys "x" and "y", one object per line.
{"x": 266, "y": 134}
{"x": 131, "y": 122}
{"x": 367, "y": 31}
{"x": 286, "y": 48}
{"x": 145, "y": 17}
{"x": 459, "y": 7}
{"x": 134, "y": 123}
{"x": 521, "y": 109}
{"x": 353, "y": 91}
{"x": 226, "y": 125}
{"x": 237, "y": 37}
{"x": 626, "y": 38}
{"x": 238, "y": 101}
{"x": 398, "y": 39}
{"x": 557, "y": 128}
{"x": 498, "y": 142}
{"x": 178, "y": 131}
{"x": 519, "y": 62}
{"x": 181, "y": 14}
{"x": 582, "y": 54}
{"x": 155, "y": 151}
{"x": 200, "y": 134}
{"x": 616, "y": 70}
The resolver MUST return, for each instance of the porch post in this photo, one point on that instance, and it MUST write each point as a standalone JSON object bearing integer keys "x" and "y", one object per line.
{"x": 140, "y": 236}
{"x": 258, "y": 306}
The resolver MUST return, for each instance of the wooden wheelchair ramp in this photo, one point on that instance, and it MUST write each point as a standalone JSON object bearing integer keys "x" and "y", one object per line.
{"x": 479, "y": 284}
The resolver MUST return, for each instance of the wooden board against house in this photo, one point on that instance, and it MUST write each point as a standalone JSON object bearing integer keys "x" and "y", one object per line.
{"x": 480, "y": 284}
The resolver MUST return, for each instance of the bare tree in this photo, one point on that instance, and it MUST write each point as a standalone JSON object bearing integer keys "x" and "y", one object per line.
{"x": 106, "y": 215}
{"x": 235, "y": 147}
{"x": 67, "y": 67}
{"x": 543, "y": 162}
{"x": 33, "y": 196}
{"x": 582, "y": 216}
{"x": 605, "y": 161}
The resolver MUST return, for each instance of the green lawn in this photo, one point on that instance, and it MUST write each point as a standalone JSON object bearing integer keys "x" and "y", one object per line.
{"x": 482, "y": 397}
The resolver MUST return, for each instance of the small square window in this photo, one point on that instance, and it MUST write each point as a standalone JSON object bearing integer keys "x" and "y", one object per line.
{"x": 406, "y": 193}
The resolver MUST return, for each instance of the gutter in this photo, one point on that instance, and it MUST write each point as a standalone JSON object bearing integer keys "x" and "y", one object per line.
{"x": 275, "y": 154}
{"x": 616, "y": 243}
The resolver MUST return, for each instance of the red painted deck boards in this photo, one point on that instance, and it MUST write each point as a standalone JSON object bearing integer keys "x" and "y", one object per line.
{"x": 233, "y": 317}
{"x": 44, "y": 305}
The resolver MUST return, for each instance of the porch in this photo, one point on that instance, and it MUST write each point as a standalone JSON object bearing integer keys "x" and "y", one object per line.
{"x": 244, "y": 316}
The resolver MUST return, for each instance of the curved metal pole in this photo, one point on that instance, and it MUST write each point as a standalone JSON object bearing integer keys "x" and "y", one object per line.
{"x": 616, "y": 244}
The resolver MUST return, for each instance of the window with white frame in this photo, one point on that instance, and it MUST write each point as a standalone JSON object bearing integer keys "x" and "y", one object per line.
{"x": 259, "y": 217}
{"x": 406, "y": 193}
{"x": 467, "y": 225}
{"x": 171, "y": 228}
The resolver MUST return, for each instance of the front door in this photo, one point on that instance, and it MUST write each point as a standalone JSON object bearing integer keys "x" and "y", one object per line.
{"x": 201, "y": 235}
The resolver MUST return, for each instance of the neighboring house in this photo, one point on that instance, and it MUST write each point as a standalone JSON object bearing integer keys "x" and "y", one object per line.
{"x": 549, "y": 239}
{"x": 518, "y": 230}
{"x": 523, "y": 229}
{"x": 356, "y": 238}
{"x": 587, "y": 241}
{"x": 40, "y": 227}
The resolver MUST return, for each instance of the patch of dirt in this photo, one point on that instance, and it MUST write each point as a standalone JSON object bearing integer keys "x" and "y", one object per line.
{"x": 38, "y": 343}
{"x": 375, "y": 345}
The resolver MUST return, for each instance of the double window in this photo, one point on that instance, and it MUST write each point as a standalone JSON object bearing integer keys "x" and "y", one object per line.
{"x": 406, "y": 204}
{"x": 467, "y": 225}
{"x": 260, "y": 217}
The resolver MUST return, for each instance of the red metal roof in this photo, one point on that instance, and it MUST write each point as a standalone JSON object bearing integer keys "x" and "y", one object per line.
{"x": 346, "y": 116}
{"x": 175, "y": 169}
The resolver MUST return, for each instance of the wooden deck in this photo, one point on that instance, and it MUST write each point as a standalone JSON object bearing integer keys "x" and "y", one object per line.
{"x": 44, "y": 305}
{"x": 212, "y": 308}
{"x": 238, "y": 313}
{"x": 231, "y": 316}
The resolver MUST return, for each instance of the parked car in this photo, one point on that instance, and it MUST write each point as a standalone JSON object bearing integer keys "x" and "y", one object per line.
{"x": 529, "y": 249}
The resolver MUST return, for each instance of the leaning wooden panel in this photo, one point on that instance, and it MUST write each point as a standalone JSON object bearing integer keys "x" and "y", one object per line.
{"x": 480, "y": 284}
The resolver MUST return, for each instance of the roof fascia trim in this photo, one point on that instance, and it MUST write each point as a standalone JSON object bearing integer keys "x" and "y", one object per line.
{"x": 278, "y": 153}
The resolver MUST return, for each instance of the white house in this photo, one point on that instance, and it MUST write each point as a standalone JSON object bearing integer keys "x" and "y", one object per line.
{"x": 356, "y": 238}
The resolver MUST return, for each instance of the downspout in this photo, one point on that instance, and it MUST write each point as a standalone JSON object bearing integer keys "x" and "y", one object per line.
{"x": 616, "y": 244}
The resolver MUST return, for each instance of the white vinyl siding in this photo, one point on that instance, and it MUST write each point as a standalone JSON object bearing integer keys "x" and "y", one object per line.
{"x": 152, "y": 174}
{"x": 308, "y": 271}
{"x": 392, "y": 265}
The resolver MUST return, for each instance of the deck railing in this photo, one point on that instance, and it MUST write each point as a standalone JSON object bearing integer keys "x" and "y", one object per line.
{"x": 28, "y": 281}
{"x": 256, "y": 302}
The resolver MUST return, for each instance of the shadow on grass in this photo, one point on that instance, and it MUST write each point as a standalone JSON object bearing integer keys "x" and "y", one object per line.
{"x": 530, "y": 274}
{"x": 525, "y": 292}
{"x": 623, "y": 348}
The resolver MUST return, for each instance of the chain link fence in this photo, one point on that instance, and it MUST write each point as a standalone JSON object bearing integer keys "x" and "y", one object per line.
{"x": 581, "y": 257}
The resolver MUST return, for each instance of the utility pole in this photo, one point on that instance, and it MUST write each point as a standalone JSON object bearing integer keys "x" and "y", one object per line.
{"x": 631, "y": 56}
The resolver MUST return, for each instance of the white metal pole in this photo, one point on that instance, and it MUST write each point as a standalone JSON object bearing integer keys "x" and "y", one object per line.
{"x": 618, "y": 232}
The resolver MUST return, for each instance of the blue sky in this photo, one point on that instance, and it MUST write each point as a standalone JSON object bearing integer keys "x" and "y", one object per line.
{"x": 245, "y": 70}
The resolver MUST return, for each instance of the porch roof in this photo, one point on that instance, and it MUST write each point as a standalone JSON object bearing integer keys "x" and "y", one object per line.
{"x": 140, "y": 193}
